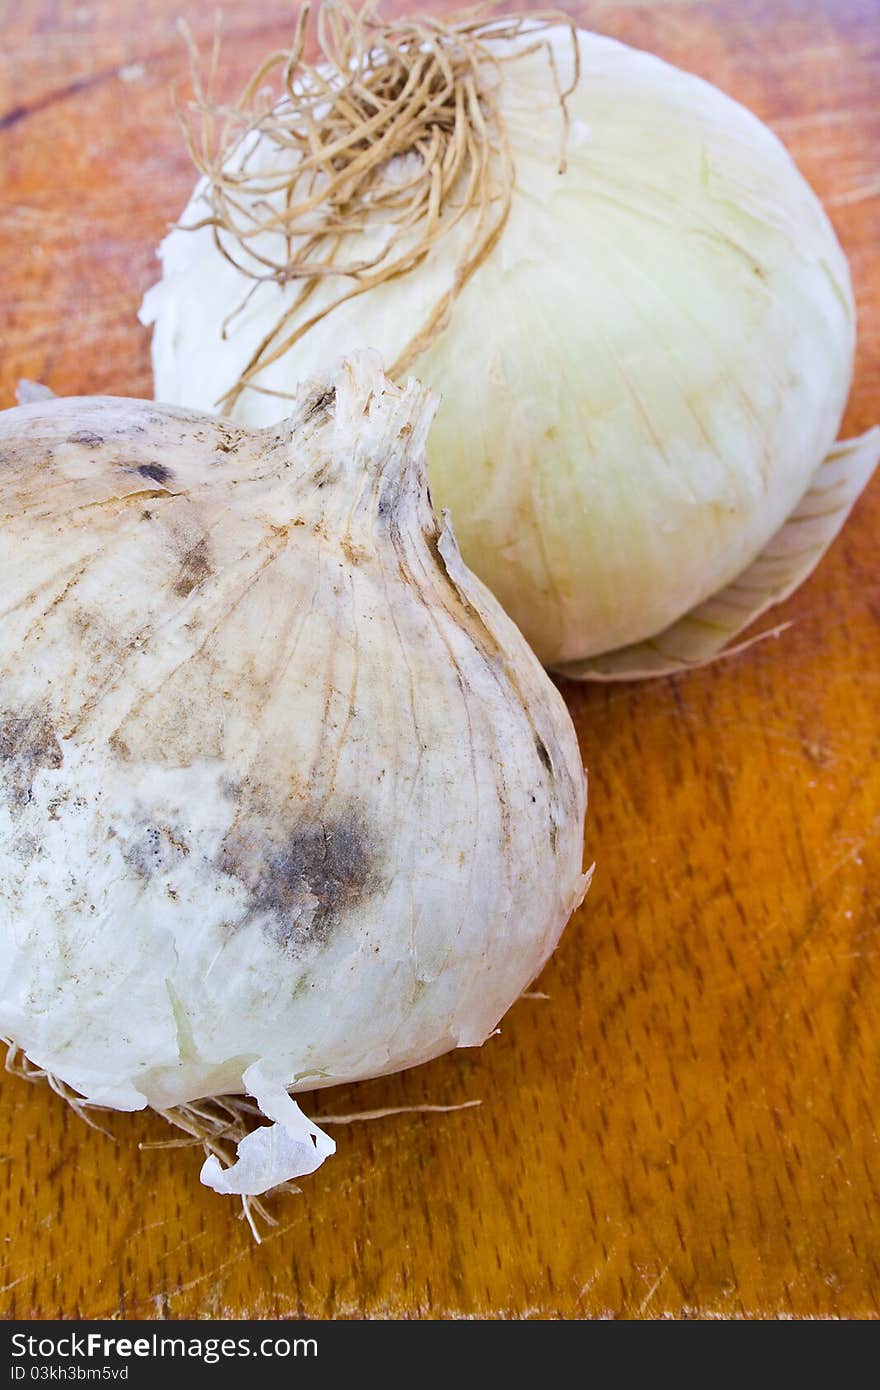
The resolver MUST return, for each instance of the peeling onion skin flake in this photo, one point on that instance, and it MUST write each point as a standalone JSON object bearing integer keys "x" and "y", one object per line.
{"x": 285, "y": 798}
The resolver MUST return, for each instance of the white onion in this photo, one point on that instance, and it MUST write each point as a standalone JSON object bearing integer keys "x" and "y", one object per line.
{"x": 638, "y": 386}
{"x": 285, "y": 798}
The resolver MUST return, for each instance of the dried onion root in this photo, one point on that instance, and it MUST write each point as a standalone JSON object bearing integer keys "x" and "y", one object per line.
{"x": 418, "y": 87}
{"x": 216, "y": 1124}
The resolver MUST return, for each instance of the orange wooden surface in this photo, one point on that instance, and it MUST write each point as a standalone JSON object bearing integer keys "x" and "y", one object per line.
{"x": 687, "y": 1125}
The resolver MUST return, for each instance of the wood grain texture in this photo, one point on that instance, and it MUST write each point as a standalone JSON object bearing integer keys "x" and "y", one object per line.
{"x": 687, "y": 1125}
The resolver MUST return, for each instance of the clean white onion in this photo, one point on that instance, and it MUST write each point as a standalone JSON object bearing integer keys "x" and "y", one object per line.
{"x": 640, "y": 384}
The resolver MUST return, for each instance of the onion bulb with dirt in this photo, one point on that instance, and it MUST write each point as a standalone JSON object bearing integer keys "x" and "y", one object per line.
{"x": 285, "y": 798}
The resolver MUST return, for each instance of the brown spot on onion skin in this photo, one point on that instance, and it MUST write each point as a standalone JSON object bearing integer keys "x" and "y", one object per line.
{"x": 321, "y": 406}
{"x": 354, "y": 554}
{"x": 547, "y": 763}
{"x": 194, "y": 568}
{"x": 544, "y": 754}
{"x": 155, "y": 850}
{"x": 87, "y": 438}
{"x": 118, "y": 748}
{"x": 229, "y": 440}
{"x": 27, "y": 744}
{"x": 306, "y": 884}
{"x": 157, "y": 472}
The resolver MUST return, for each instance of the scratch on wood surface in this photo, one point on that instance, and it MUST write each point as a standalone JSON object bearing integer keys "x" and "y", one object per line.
{"x": 592, "y": 1281}
{"x": 215, "y": 1270}
{"x": 184, "y": 1244}
{"x": 151, "y": 1226}
{"x": 860, "y": 194}
{"x": 653, "y": 1289}
{"x": 83, "y": 84}
{"x": 14, "y": 1283}
{"x": 110, "y": 1309}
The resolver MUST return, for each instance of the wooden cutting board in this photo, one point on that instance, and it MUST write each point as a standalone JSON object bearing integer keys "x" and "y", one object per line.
{"x": 686, "y": 1124}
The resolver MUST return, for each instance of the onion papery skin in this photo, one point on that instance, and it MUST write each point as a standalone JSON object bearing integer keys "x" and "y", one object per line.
{"x": 283, "y": 791}
{"x": 636, "y": 387}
